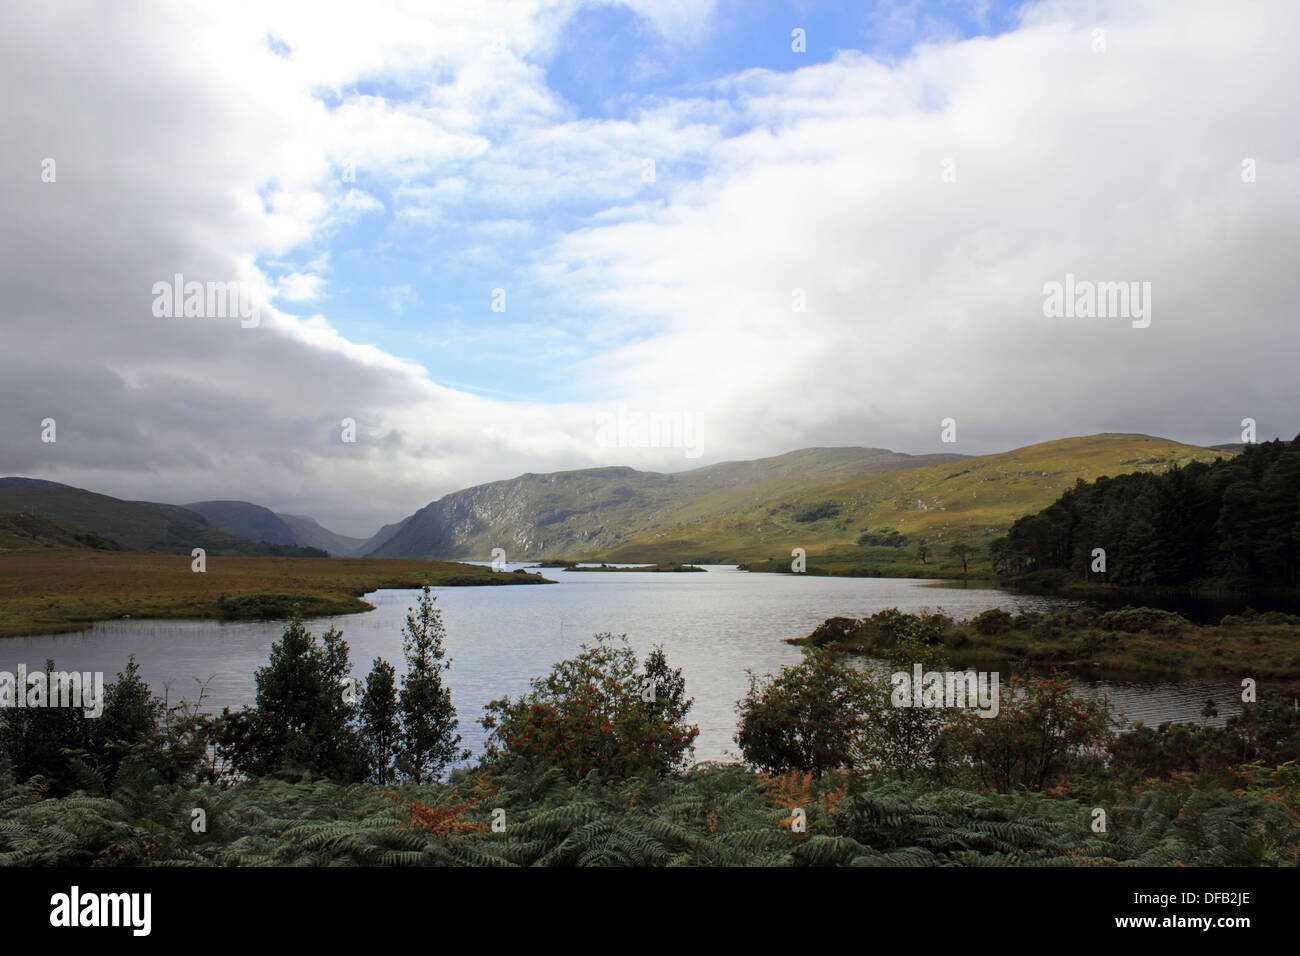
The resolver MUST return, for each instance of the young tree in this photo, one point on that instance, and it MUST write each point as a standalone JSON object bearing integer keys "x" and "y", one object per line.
{"x": 905, "y": 739}
{"x": 302, "y": 719}
{"x": 429, "y": 739}
{"x": 809, "y": 717}
{"x": 597, "y": 712}
{"x": 40, "y": 740}
{"x": 381, "y": 725}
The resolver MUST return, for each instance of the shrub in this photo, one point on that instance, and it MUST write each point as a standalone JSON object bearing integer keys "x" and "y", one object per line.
{"x": 884, "y": 628}
{"x": 1151, "y": 620}
{"x": 883, "y": 538}
{"x": 1039, "y": 727}
{"x": 598, "y": 713}
{"x": 807, "y": 718}
{"x": 993, "y": 621}
{"x": 819, "y": 511}
{"x": 834, "y": 630}
{"x": 1251, "y": 616}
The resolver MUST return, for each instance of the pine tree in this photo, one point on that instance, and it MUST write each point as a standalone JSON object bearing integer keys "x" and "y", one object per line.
{"x": 429, "y": 739}
{"x": 381, "y": 725}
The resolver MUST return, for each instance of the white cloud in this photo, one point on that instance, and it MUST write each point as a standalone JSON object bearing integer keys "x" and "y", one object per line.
{"x": 186, "y": 145}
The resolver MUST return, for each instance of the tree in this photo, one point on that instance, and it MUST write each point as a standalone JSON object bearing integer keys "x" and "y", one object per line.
{"x": 597, "y": 712}
{"x": 1040, "y": 726}
{"x": 807, "y": 718}
{"x": 963, "y": 553}
{"x": 904, "y": 739}
{"x": 429, "y": 739}
{"x": 381, "y": 725}
{"x": 922, "y": 552}
{"x": 301, "y": 719}
{"x": 131, "y": 716}
{"x": 42, "y": 740}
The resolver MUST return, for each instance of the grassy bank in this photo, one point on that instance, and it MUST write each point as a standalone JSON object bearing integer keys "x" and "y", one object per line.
{"x": 51, "y": 591}
{"x": 1130, "y": 642}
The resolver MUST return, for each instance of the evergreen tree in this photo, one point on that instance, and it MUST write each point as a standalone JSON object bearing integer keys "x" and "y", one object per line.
{"x": 381, "y": 726}
{"x": 429, "y": 738}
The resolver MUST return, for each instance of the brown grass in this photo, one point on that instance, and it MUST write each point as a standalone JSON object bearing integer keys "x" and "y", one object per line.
{"x": 45, "y": 592}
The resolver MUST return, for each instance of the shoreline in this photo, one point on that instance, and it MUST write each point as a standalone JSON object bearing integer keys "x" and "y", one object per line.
{"x": 56, "y": 592}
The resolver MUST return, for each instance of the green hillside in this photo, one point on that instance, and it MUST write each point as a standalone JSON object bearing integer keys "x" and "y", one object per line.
{"x": 975, "y": 500}
{"x": 572, "y": 513}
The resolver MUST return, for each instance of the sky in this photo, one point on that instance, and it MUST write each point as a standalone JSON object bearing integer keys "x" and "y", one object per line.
{"x": 535, "y": 235}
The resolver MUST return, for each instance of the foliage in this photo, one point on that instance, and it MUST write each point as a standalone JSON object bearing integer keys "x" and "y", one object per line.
{"x": 808, "y": 717}
{"x": 1041, "y": 725}
{"x": 381, "y": 722}
{"x": 993, "y": 621}
{"x": 1235, "y": 520}
{"x": 883, "y": 538}
{"x": 429, "y": 742}
{"x": 711, "y": 816}
{"x": 817, "y": 511}
{"x": 302, "y": 718}
{"x": 1144, "y": 619}
{"x": 597, "y": 713}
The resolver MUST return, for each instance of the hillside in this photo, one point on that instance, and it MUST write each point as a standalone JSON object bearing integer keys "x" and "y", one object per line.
{"x": 309, "y": 533}
{"x": 28, "y": 532}
{"x": 136, "y": 525}
{"x": 245, "y": 520}
{"x": 256, "y": 523}
{"x": 577, "y": 513}
{"x": 973, "y": 500}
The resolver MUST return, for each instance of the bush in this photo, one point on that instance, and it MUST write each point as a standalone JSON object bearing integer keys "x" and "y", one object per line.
{"x": 1251, "y": 616}
{"x": 818, "y": 511}
{"x": 883, "y": 629}
{"x": 835, "y": 630}
{"x": 993, "y": 621}
{"x": 597, "y": 713}
{"x": 1150, "y": 620}
{"x": 1041, "y": 725}
{"x": 883, "y": 538}
{"x": 807, "y": 718}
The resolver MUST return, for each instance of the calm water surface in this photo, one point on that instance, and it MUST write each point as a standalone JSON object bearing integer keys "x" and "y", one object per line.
{"x": 712, "y": 625}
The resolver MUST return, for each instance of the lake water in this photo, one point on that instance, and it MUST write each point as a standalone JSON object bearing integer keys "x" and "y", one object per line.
{"x": 712, "y": 625}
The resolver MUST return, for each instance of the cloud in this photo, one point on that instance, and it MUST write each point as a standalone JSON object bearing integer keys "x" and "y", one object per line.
{"x": 185, "y": 143}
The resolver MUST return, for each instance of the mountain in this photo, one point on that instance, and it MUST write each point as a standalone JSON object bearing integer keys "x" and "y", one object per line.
{"x": 587, "y": 512}
{"x": 309, "y": 533}
{"x": 380, "y": 538}
{"x": 245, "y": 520}
{"x": 135, "y": 525}
{"x": 255, "y": 523}
{"x": 976, "y": 498}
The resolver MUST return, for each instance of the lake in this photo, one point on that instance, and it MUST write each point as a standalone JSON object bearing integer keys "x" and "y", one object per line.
{"x": 712, "y": 625}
